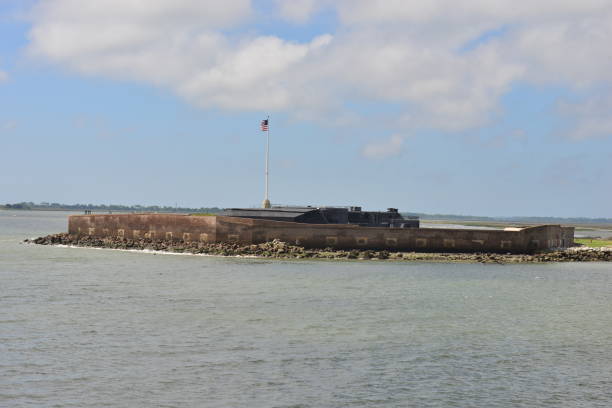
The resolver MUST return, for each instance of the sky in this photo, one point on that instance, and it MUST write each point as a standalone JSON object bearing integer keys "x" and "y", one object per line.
{"x": 478, "y": 107}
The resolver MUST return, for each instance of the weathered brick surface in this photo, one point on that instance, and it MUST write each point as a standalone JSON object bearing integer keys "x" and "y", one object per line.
{"x": 179, "y": 227}
{"x": 158, "y": 226}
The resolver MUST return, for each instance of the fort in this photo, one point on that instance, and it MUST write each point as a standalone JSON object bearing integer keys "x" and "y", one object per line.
{"x": 326, "y": 227}
{"x": 316, "y": 227}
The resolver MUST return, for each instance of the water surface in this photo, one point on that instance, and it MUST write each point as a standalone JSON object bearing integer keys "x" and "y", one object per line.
{"x": 91, "y": 328}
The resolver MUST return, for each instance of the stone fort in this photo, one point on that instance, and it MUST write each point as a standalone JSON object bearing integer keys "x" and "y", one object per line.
{"x": 390, "y": 232}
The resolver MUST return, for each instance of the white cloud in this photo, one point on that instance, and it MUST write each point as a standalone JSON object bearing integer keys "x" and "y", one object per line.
{"x": 3, "y": 76}
{"x": 449, "y": 12}
{"x": 573, "y": 52}
{"x": 156, "y": 40}
{"x": 253, "y": 75}
{"x": 411, "y": 54}
{"x": 384, "y": 149}
{"x": 555, "y": 41}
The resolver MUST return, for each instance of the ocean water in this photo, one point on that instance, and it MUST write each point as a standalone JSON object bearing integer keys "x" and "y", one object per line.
{"x": 94, "y": 328}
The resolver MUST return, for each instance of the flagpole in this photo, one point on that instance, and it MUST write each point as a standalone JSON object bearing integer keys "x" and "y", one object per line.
{"x": 266, "y": 202}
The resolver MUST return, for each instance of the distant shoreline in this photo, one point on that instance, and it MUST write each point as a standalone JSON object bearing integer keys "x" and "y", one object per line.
{"x": 468, "y": 220}
{"x": 503, "y": 224}
{"x": 104, "y": 208}
{"x": 492, "y": 223}
{"x": 93, "y": 211}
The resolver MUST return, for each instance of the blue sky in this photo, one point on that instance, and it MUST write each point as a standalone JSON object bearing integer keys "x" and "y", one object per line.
{"x": 379, "y": 104}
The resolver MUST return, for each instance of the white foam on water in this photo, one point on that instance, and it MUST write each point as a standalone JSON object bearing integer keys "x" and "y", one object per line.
{"x": 152, "y": 251}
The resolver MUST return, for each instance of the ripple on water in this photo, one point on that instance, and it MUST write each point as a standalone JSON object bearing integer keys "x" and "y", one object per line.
{"x": 86, "y": 328}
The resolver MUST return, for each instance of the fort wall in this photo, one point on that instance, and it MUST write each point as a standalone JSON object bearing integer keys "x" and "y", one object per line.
{"x": 173, "y": 227}
{"x": 211, "y": 229}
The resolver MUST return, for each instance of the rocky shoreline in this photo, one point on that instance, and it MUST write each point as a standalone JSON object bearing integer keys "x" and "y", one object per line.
{"x": 281, "y": 250}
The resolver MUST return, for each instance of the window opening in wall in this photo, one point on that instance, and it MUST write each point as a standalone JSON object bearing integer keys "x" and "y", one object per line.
{"x": 331, "y": 240}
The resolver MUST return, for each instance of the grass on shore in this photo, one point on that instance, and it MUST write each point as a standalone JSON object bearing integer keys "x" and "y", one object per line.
{"x": 593, "y": 242}
{"x": 503, "y": 224}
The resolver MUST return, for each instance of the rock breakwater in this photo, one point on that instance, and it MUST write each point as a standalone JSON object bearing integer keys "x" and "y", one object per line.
{"x": 282, "y": 250}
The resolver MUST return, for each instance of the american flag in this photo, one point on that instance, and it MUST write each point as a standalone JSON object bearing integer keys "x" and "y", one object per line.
{"x": 264, "y": 125}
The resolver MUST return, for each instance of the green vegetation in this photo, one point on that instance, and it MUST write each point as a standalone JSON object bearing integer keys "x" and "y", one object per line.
{"x": 468, "y": 220}
{"x": 203, "y": 214}
{"x": 493, "y": 221}
{"x": 594, "y": 226}
{"x": 105, "y": 208}
{"x": 593, "y": 242}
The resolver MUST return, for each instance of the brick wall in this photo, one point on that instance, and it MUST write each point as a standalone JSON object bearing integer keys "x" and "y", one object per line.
{"x": 174, "y": 227}
{"x": 249, "y": 231}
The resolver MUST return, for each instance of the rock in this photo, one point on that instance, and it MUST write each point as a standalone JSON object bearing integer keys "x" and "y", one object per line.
{"x": 280, "y": 249}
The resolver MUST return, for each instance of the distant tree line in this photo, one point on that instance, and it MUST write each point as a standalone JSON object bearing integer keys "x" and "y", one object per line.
{"x": 530, "y": 220}
{"x": 213, "y": 210}
{"x": 104, "y": 207}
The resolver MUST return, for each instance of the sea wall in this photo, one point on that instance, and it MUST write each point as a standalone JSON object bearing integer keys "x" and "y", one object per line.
{"x": 211, "y": 229}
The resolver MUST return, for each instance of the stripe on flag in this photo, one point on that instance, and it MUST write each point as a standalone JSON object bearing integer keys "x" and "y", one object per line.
{"x": 264, "y": 125}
